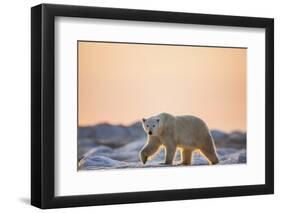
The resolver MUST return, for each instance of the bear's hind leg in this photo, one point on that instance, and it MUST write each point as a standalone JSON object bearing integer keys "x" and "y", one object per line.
{"x": 210, "y": 153}
{"x": 186, "y": 155}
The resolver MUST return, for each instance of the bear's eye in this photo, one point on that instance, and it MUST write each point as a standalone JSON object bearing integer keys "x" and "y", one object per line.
{"x": 153, "y": 125}
{"x": 147, "y": 125}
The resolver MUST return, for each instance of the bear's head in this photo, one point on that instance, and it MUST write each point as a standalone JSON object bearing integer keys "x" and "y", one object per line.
{"x": 151, "y": 125}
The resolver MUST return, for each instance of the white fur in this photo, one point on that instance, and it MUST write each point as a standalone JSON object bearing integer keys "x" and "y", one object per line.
{"x": 189, "y": 133}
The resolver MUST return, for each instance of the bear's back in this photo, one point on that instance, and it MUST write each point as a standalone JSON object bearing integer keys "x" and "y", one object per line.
{"x": 191, "y": 124}
{"x": 184, "y": 123}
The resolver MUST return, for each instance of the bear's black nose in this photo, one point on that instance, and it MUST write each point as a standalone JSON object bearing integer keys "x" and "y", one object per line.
{"x": 150, "y": 133}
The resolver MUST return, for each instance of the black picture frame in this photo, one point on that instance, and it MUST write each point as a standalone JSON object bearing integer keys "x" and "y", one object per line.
{"x": 43, "y": 102}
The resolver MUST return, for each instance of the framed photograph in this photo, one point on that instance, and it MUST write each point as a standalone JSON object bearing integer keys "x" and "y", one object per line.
{"x": 140, "y": 106}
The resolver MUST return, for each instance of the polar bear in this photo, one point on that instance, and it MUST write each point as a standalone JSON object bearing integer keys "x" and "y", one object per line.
{"x": 188, "y": 133}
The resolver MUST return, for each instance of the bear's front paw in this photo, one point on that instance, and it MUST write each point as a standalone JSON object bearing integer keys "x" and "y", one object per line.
{"x": 168, "y": 162}
{"x": 143, "y": 157}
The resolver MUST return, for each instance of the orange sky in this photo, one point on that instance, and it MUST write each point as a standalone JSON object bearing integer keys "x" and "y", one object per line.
{"x": 121, "y": 83}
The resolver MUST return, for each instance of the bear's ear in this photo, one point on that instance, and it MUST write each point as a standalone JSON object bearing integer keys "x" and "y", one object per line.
{"x": 143, "y": 120}
{"x": 158, "y": 120}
